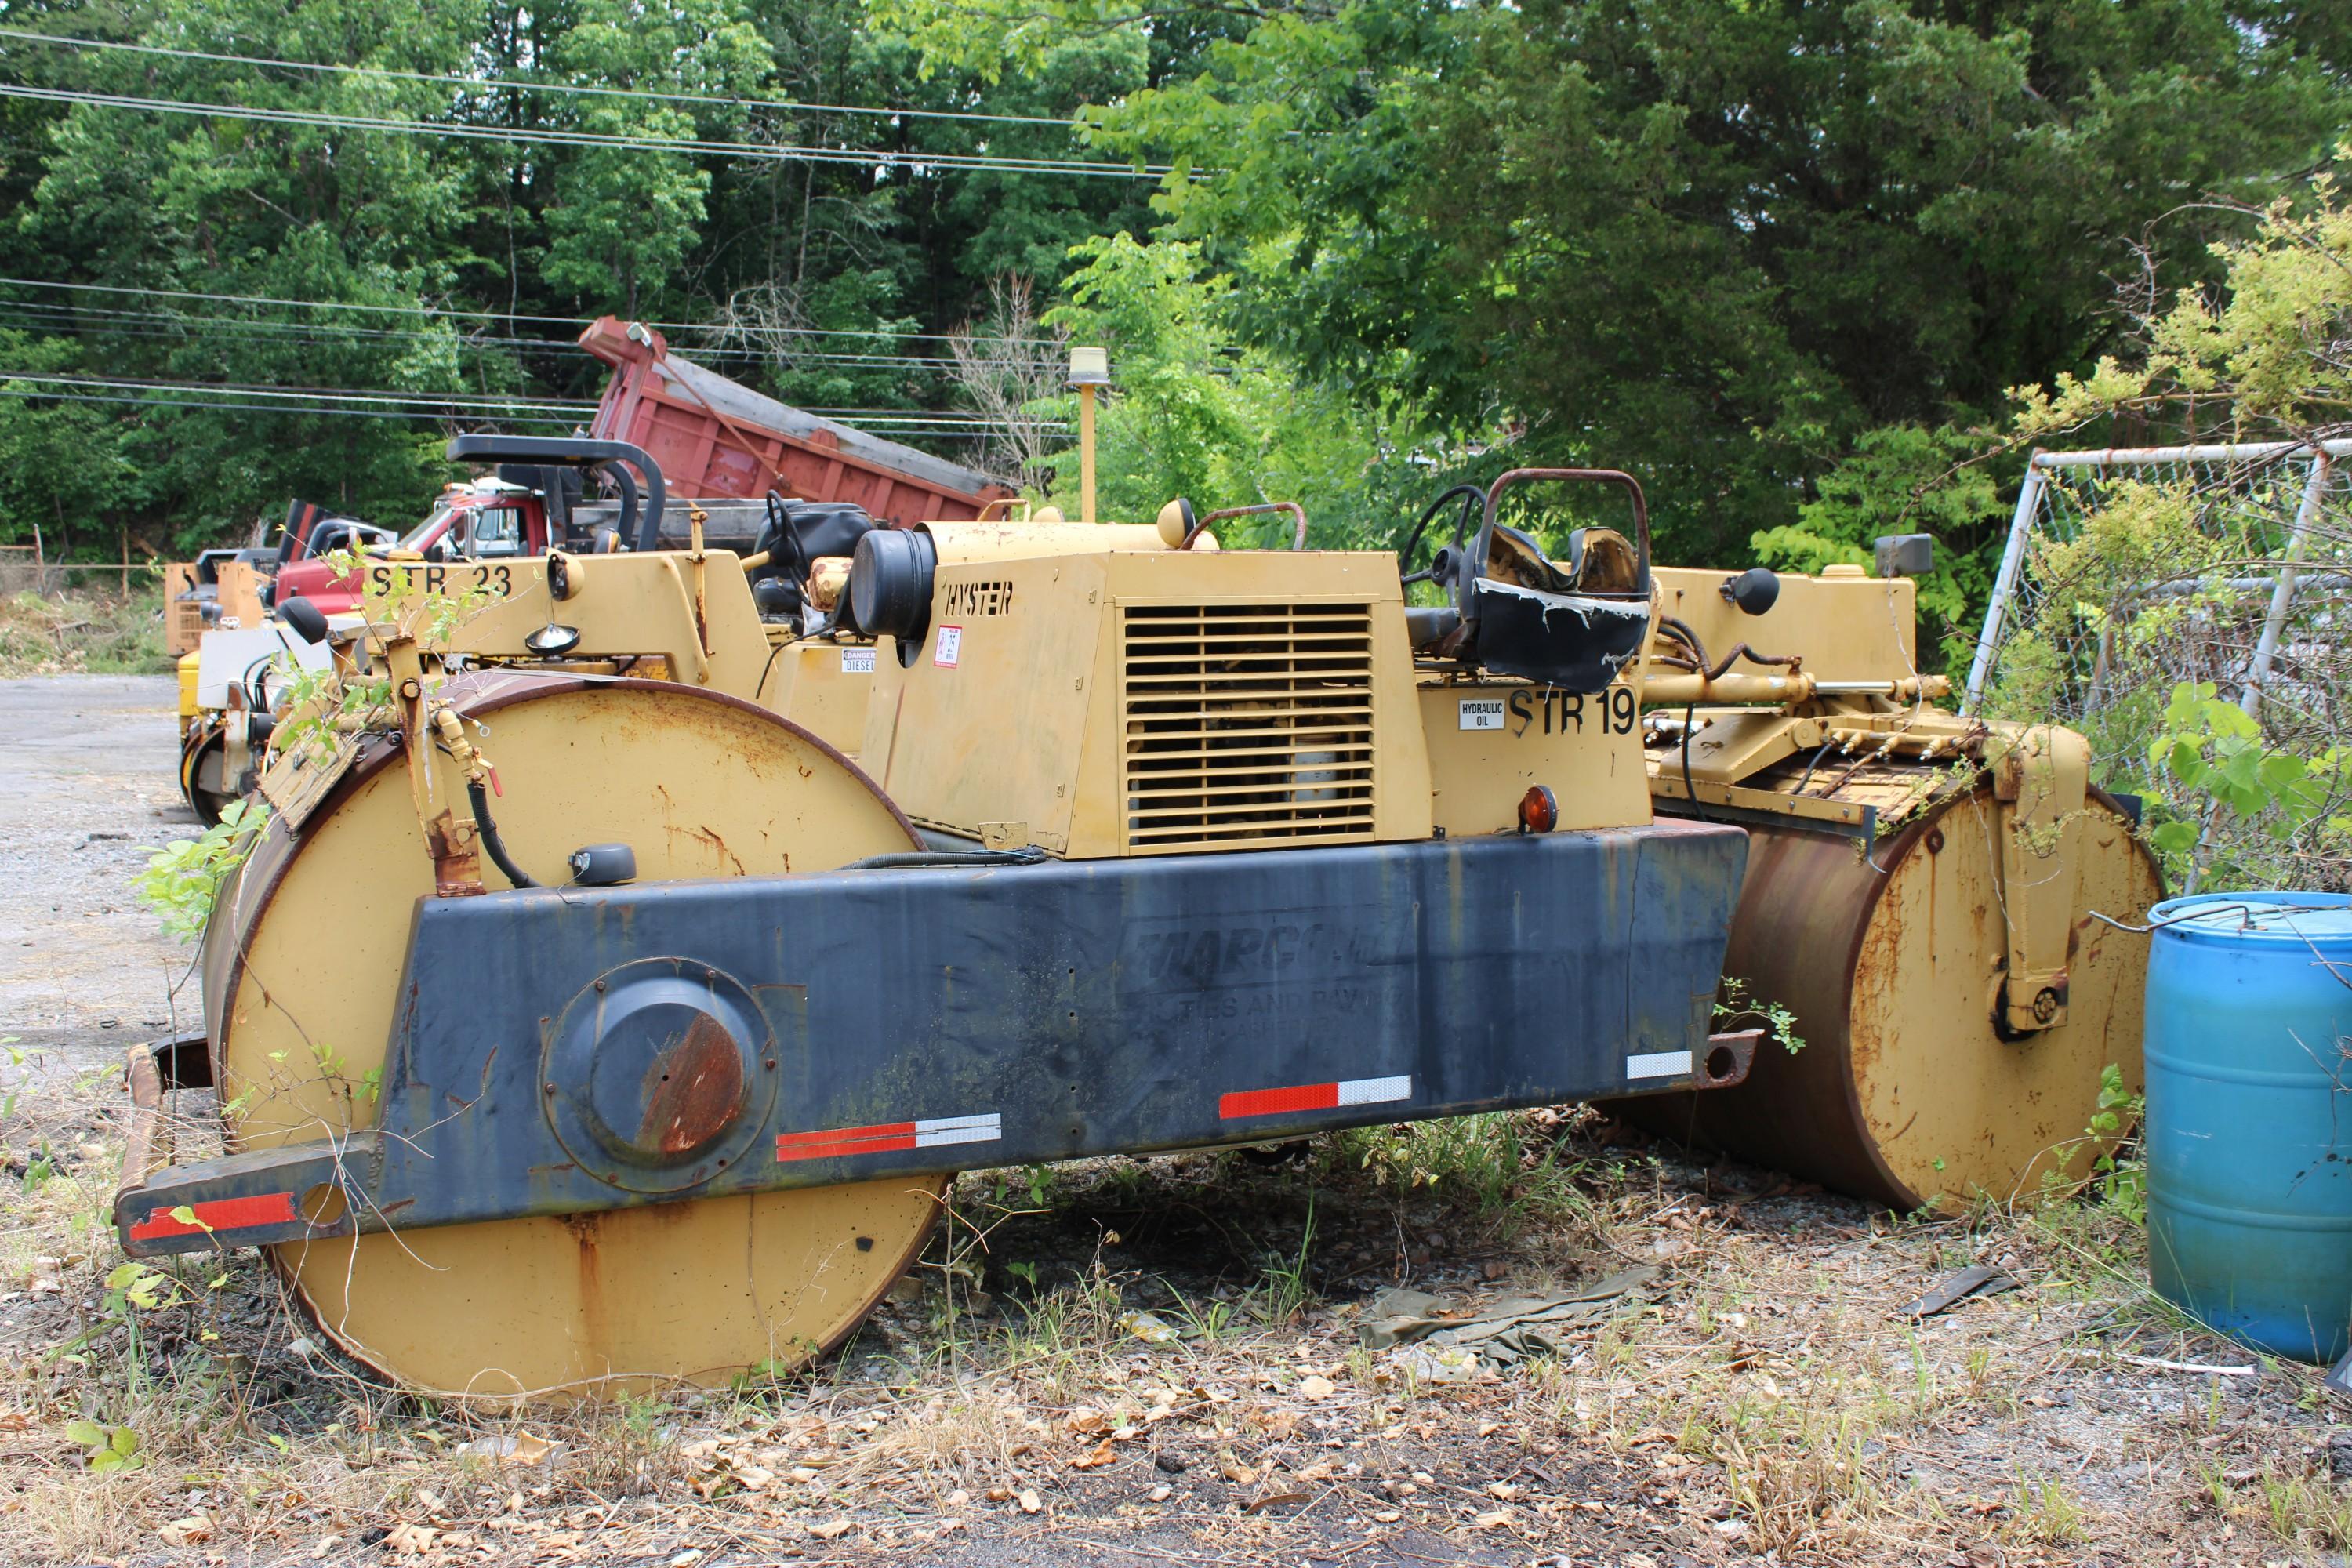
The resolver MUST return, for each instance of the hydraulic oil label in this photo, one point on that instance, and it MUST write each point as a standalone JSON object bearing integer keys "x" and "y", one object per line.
{"x": 1482, "y": 712}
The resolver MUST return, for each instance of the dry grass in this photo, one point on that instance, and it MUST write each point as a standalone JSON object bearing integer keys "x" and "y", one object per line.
{"x": 100, "y": 633}
{"x": 1765, "y": 1399}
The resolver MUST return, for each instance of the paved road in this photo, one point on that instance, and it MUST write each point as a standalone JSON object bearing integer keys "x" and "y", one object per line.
{"x": 87, "y": 768}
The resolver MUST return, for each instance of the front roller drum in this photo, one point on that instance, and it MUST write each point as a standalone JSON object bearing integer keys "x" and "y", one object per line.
{"x": 303, "y": 982}
{"x": 1907, "y": 1092}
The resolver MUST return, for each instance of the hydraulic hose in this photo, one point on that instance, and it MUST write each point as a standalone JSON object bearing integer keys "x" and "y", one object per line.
{"x": 966, "y": 858}
{"x": 627, "y": 525}
{"x": 492, "y": 845}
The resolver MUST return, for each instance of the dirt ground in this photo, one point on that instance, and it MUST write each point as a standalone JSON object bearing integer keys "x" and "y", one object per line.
{"x": 1757, "y": 1395}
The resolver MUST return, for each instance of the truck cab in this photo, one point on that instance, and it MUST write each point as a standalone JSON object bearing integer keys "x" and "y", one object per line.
{"x": 484, "y": 520}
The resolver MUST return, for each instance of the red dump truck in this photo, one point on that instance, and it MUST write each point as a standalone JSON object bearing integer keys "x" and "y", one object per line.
{"x": 723, "y": 447}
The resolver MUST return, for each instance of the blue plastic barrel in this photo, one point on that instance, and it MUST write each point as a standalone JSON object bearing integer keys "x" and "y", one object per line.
{"x": 2250, "y": 1116}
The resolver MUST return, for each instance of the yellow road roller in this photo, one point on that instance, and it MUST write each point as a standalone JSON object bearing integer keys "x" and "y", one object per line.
{"x": 608, "y": 1004}
{"x": 579, "y": 1032}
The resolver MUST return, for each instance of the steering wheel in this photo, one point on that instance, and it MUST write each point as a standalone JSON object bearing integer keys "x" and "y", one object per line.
{"x": 1472, "y": 498}
{"x": 782, "y": 542}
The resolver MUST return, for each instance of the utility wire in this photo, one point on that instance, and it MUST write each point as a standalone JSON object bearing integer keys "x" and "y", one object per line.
{"x": 568, "y": 407}
{"x": 304, "y": 332}
{"x": 309, "y": 410}
{"x": 489, "y": 315}
{"x": 753, "y": 151}
{"x": 479, "y": 83}
{"x": 914, "y": 418}
{"x": 211, "y": 404}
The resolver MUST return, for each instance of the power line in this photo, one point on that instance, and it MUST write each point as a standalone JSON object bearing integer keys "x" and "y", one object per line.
{"x": 310, "y": 410}
{"x": 281, "y": 408}
{"x": 914, "y": 163}
{"x": 942, "y": 419}
{"x": 567, "y": 407}
{"x": 495, "y": 315}
{"x": 305, "y": 332}
{"x": 496, "y": 83}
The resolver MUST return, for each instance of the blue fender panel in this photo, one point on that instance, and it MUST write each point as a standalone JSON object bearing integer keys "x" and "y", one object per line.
{"x": 567, "y": 1050}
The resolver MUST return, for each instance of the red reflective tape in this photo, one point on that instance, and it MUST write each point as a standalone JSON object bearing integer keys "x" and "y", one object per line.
{"x": 220, "y": 1214}
{"x": 837, "y": 1134}
{"x": 1276, "y": 1101}
{"x": 831, "y": 1141}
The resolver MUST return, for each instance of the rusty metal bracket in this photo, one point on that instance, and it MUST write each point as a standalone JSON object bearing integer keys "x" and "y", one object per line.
{"x": 2040, "y": 776}
{"x": 292, "y": 1193}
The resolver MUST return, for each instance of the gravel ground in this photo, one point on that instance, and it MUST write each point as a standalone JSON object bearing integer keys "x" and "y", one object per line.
{"x": 87, "y": 767}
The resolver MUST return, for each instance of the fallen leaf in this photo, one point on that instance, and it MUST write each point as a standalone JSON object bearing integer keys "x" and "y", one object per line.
{"x": 1495, "y": 1520}
{"x": 411, "y": 1539}
{"x": 187, "y": 1532}
{"x": 1029, "y": 1503}
{"x": 687, "y": 1558}
{"x": 1234, "y": 1470}
{"x": 1149, "y": 1328}
{"x": 1103, "y": 1455}
{"x": 1087, "y": 1419}
{"x": 1275, "y": 1500}
{"x": 1387, "y": 1516}
{"x": 1000, "y": 1494}
{"x": 1163, "y": 1492}
{"x": 834, "y": 1532}
{"x": 1503, "y": 1489}
{"x": 1317, "y": 1386}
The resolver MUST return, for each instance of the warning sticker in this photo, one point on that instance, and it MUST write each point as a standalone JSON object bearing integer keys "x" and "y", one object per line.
{"x": 1482, "y": 712}
{"x": 950, "y": 648}
{"x": 857, "y": 661}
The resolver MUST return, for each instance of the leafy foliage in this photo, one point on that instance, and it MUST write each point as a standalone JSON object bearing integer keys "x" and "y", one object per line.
{"x": 183, "y": 879}
{"x": 2211, "y": 757}
{"x": 2166, "y": 578}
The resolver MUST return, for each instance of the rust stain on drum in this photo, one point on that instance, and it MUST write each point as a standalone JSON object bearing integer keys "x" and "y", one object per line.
{"x": 693, "y": 1089}
{"x": 586, "y": 1229}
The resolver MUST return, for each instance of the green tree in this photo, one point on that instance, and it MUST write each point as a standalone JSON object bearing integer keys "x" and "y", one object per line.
{"x": 1714, "y": 243}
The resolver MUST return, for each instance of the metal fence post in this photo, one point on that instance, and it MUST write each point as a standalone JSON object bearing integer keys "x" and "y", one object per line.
{"x": 2013, "y": 560}
{"x": 2258, "y": 670}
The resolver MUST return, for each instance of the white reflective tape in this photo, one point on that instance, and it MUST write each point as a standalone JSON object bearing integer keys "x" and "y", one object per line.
{"x": 1659, "y": 1064}
{"x": 957, "y": 1135}
{"x": 1375, "y": 1091}
{"x": 946, "y": 1130}
{"x": 991, "y": 1120}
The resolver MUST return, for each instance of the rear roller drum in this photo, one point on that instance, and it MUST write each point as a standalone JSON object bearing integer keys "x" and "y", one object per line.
{"x": 1906, "y": 1092}
{"x": 302, "y": 970}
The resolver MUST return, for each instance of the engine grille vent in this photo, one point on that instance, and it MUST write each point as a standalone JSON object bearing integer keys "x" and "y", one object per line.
{"x": 1246, "y": 724}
